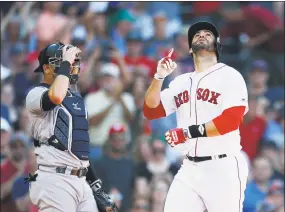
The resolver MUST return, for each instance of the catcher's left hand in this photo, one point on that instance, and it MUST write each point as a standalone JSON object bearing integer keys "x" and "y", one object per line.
{"x": 104, "y": 202}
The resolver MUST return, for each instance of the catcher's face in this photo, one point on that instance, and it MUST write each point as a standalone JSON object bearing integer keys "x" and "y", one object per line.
{"x": 203, "y": 40}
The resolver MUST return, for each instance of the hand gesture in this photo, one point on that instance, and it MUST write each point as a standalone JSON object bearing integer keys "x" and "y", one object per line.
{"x": 69, "y": 53}
{"x": 166, "y": 66}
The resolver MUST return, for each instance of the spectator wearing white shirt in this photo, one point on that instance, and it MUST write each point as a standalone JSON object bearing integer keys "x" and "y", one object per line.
{"x": 107, "y": 106}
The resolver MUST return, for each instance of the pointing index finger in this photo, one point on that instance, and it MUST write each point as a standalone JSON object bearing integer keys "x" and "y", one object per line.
{"x": 170, "y": 52}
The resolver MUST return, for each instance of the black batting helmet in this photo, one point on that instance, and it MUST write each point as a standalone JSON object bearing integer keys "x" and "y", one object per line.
{"x": 203, "y": 25}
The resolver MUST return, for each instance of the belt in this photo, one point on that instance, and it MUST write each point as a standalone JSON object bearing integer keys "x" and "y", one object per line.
{"x": 64, "y": 170}
{"x": 200, "y": 159}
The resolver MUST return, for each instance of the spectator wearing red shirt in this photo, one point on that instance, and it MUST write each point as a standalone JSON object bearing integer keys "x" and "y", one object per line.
{"x": 252, "y": 129}
{"x": 265, "y": 35}
{"x": 135, "y": 61}
{"x": 15, "y": 166}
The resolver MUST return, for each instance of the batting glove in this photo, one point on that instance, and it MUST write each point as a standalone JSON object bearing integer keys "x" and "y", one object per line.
{"x": 176, "y": 136}
{"x": 180, "y": 135}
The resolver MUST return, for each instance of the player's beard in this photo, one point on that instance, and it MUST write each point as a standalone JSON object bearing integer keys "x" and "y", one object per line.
{"x": 207, "y": 46}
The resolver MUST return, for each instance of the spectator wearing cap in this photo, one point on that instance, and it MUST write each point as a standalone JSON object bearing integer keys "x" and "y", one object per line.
{"x": 252, "y": 129}
{"x": 135, "y": 60}
{"x": 122, "y": 22}
{"x": 157, "y": 46}
{"x": 13, "y": 167}
{"x": 274, "y": 201}
{"x": 116, "y": 168}
{"x": 6, "y": 132}
{"x": 107, "y": 106}
{"x": 258, "y": 82}
{"x": 265, "y": 33}
{"x": 257, "y": 188}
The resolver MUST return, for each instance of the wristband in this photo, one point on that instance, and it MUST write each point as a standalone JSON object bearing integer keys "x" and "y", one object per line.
{"x": 156, "y": 76}
{"x": 64, "y": 69}
{"x": 196, "y": 131}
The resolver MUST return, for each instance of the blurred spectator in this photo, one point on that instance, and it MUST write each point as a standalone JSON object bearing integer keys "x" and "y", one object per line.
{"x": 265, "y": 35}
{"x": 157, "y": 165}
{"x": 270, "y": 151}
{"x": 11, "y": 37}
{"x": 135, "y": 61}
{"x": 20, "y": 189}
{"x": 118, "y": 106}
{"x": 6, "y": 132}
{"x": 258, "y": 84}
{"x": 8, "y": 98}
{"x": 122, "y": 21}
{"x": 258, "y": 186}
{"x": 159, "y": 43}
{"x": 141, "y": 204}
{"x": 15, "y": 166}
{"x": 275, "y": 129}
{"x": 52, "y": 25}
{"x": 183, "y": 59}
{"x": 252, "y": 129}
{"x": 172, "y": 11}
{"x": 160, "y": 188}
{"x": 274, "y": 201}
{"x": 143, "y": 21}
{"x": 109, "y": 167}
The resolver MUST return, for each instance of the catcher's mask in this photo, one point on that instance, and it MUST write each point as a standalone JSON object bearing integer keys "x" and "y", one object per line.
{"x": 52, "y": 55}
{"x": 205, "y": 26}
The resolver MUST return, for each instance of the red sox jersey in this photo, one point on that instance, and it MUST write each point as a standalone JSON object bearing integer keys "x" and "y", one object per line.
{"x": 199, "y": 97}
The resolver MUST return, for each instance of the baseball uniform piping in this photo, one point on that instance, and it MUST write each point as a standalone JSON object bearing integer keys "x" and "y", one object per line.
{"x": 196, "y": 144}
{"x": 239, "y": 184}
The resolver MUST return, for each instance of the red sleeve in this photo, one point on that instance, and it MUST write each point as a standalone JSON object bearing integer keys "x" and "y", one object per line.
{"x": 229, "y": 120}
{"x": 7, "y": 171}
{"x": 154, "y": 113}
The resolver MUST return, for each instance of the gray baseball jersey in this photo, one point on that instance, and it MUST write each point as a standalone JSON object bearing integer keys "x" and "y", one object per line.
{"x": 43, "y": 125}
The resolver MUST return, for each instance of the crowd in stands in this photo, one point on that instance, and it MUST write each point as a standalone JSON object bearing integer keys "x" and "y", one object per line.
{"x": 121, "y": 43}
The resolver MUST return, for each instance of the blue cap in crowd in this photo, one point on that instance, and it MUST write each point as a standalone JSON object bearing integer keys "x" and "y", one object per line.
{"x": 261, "y": 65}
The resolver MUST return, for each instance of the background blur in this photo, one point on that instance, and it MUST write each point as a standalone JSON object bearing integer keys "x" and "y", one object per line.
{"x": 121, "y": 43}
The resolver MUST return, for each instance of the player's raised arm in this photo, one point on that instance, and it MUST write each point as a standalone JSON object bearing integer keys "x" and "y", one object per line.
{"x": 58, "y": 89}
{"x": 153, "y": 107}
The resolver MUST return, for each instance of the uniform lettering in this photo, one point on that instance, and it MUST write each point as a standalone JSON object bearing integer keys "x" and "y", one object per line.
{"x": 199, "y": 93}
{"x": 185, "y": 96}
{"x": 181, "y": 98}
{"x": 214, "y": 97}
{"x": 207, "y": 95}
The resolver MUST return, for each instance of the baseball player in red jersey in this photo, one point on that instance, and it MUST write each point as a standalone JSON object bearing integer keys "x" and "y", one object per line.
{"x": 210, "y": 104}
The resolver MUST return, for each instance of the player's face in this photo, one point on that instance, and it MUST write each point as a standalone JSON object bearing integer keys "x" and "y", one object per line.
{"x": 203, "y": 40}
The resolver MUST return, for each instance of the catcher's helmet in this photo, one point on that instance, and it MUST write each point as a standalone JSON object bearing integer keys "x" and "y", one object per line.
{"x": 52, "y": 55}
{"x": 205, "y": 26}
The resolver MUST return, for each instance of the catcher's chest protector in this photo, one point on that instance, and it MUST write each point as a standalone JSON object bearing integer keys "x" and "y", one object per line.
{"x": 71, "y": 126}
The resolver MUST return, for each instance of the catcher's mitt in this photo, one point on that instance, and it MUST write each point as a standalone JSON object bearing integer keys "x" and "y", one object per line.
{"x": 104, "y": 202}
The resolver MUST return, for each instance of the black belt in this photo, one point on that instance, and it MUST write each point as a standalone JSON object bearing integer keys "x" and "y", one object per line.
{"x": 62, "y": 170}
{"x": 200, "y": 159}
